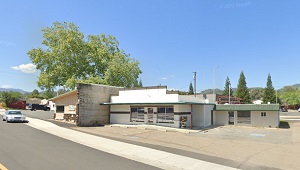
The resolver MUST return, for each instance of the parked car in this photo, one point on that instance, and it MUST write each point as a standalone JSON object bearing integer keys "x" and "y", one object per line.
{"x": 13, "y": 116}
{"x": 28, "y": 106}
{"x": 299, "y": 110}
{"x": 35, "y": 107}
{"x": 284, "y": 109}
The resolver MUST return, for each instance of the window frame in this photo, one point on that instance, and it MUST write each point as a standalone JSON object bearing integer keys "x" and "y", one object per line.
{"x": 165, "y": 114}
{"x": 138, "y": 114}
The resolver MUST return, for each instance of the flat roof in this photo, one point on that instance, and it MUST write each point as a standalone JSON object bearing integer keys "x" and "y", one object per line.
{"x": 247, "y": 107}
{"x": 159, "y": 103}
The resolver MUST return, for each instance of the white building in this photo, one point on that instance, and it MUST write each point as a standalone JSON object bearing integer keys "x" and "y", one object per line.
{"x": 261, "y": 115}
{"x": 157, "y": 106}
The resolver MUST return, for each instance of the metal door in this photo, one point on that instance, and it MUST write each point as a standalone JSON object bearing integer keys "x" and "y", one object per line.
{"x": 150, "y": 115}
{"x": 231, "y": 118}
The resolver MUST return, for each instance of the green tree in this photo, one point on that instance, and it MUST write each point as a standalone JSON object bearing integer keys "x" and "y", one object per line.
{"x": 256, "y": 93}
{"x": 140, "y": 83}
{"x": 35, "y": 93}
{"x": 69, "y": 58}
{"x": 191, "y": 89}
{"x": 10, "y": 97}
{"x": 242, "y": 89}
{"x": 269, "y": 92}
{"x": 227, "y": 88}
{"x": 290, "y": 96}
{"x": 48, "y": 94}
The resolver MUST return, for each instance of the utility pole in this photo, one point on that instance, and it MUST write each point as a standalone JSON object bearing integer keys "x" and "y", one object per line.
{"x": 195, "y": 93}
{"x": 214, "y": 82}
{"x": 229, "y": 94}
{"x": 276, "y": 97}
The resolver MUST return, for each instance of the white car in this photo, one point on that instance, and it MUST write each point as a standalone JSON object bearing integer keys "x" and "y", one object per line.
{"x": 13, "y": 116}
{"x": 299, "y": 110}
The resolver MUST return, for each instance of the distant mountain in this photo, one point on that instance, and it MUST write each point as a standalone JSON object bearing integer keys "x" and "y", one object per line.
{"x": 296, "y": 86}
{"x": 12, "y": 89}
{"x": 210, "y": 91}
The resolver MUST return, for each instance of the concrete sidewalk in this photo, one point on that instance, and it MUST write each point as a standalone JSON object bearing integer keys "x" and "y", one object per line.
{"x": 145, "y": 155}
{"x": 158, "y": 128}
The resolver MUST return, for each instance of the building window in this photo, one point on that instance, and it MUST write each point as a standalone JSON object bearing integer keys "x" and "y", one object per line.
{"x": 244, "y": 117}
{"x": 137, "y": 114}
{"x": 263, "y": 114}
{"x": 165, "y": 115}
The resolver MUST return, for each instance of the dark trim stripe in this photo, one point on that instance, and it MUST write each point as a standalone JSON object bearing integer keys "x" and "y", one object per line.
{"x": 182, "y": 113}
{"x": 119, "y": 112}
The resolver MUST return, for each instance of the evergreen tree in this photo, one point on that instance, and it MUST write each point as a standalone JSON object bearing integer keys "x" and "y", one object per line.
{"x": 269, "y": 92}
{"x": 191, "y": 89}
{"x": 242, "y": 89}
{"x": 140, "y": 83}
{"x": 226, "y": 88}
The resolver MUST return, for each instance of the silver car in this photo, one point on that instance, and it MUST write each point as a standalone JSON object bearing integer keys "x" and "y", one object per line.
{"x": 13, "y": 116}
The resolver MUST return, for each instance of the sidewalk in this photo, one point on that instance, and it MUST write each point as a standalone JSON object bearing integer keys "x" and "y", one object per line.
{"x": 158, "y": 128}
{"x": 145, "y": 155}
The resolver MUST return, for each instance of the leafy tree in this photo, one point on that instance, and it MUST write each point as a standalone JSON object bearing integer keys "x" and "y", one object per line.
{"x": 226, "y": 88}
{"x": 61, "y": 91}
{"x": 48, "y": 94}
{"x": 269, "y": 92}
{"x": 71, "y": 58}
{"x": 290, "y": 96}
{"x": 10, "y": 97}
{"x": 191, "y": 89}
{"x": 35, "y": 93}
{"x": 256, "y": 93}
{"x": 242, "y": 89}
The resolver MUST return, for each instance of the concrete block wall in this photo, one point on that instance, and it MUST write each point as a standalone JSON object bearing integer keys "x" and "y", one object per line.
{"x": 90, "y": 112}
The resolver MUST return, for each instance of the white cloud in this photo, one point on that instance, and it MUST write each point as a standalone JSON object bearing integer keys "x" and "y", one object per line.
{"x": 26, "y": 68}
{"x": 172, "y": 89}
{"x": 6, "y": 86}
{"x": 164, "y": 78}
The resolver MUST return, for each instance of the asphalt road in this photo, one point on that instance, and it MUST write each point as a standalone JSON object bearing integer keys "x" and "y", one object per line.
{"x": 40, "y": 114}
{"x": 23, "y": 147}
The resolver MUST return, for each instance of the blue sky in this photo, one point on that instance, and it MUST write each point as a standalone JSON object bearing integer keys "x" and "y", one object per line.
{"x": 170, "y": 38}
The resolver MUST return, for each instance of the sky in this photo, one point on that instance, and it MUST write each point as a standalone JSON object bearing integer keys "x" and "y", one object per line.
{"x": 170, "y": 38}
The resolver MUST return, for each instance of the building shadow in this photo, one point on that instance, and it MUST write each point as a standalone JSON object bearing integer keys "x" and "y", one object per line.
{"x": 284, "y": 124}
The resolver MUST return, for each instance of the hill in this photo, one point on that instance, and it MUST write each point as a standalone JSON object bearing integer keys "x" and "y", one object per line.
{"x": 12, "y": 89}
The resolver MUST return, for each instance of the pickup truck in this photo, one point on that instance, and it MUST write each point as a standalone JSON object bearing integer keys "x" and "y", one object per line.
{"x": 35, "y": 107}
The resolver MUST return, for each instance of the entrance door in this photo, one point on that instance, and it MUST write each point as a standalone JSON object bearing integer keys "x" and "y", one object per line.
{"x": 150, "y": 115}
{"x": 231, "y": 118}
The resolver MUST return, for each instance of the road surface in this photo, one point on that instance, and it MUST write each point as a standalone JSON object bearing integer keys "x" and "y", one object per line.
{"x": 23, "y": 147}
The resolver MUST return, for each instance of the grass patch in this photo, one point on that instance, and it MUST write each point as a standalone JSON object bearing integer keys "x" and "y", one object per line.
{"x": 284, "y": 124}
